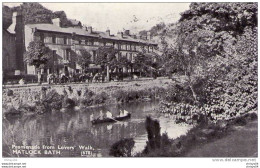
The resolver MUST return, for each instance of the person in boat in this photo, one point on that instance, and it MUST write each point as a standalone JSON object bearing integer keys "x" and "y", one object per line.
{"x": 125, "y": 113}
{"x": 109, "y": 114}
{"x": 121, "y": 113}
{"x": 91, "y": 117}
{"x": 101, "y": 115}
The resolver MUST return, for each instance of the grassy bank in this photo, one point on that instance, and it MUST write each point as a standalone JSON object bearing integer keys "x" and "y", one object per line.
{"x": 206, "y": 137}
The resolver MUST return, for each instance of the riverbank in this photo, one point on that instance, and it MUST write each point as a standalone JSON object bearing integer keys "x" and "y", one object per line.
{"x": 207, "y": 139}
{"x": 242, "y": 142}
{"x": 41, "y": 99}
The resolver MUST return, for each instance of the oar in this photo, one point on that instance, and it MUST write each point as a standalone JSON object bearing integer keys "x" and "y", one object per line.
{"x": 113, "y": 119}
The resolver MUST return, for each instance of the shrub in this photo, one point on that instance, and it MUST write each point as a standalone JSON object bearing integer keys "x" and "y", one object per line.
{"x": 10, "y": 92}
{"x": 100, "y": 98}
{"x": 122, "y": 148}
{"x": 241, "y": 121}
{"x": 120, "y": 96}
{"x": 54, "y": 100}
{"x": 68, "y": 103}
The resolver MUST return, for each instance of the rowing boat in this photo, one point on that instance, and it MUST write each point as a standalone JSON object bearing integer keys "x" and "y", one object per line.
{"x": 110, "y": 120}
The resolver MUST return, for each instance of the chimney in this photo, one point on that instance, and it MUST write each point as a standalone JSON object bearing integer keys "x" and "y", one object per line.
{"x": 127, "y": 32}
{"x": 56, "y": 21}
{"x": 120, "y": 34}
{"x": 84, "y": 28}
{"x": 149, "y": 37}
{"x": 108, "y": 32}
{"x": 89, "y": 29}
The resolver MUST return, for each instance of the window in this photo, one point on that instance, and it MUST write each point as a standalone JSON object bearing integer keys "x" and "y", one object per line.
{"x": 65, "y": 40}
{"x": 119, "y": 55}
{"x": 54, "y": 39}
{"x": 79, "y": 41}
{"x": 90, "y": 42}
{"x": 67, "y": 54}
{"x": 131, "y": 57}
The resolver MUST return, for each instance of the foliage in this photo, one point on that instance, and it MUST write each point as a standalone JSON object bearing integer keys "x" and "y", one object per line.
{"x": 216, "y": 51}
{"x": 68, "y": 103}
{"x": 100, "y": 98}
{"x": 147, "y": 62}
{"x": 154, "y": 30}
{"x": 65, "y": 22}
{"x": 84, "y": 59}
{"x": 53, "y": 100}
{"x": 106, "y": 56}
{"x": 122, "y": 148}
{"x": 37, "y": 54}
{"x": 34, "y": 12}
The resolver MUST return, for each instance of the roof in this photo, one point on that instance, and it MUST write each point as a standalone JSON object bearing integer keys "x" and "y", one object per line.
{"x": 78, "y": 31}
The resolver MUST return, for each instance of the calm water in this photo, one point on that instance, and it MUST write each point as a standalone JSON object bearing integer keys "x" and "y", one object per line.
{"x": 74, "y": 129}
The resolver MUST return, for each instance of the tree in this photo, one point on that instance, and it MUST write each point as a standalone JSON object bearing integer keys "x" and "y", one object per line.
{"x": 38, "y": 55}
{"x": 216, "y": 49}
{"x": 35, "y": 13}
{"x": 84, "y": 59}
{"x": 147, "y": 62}
{"x": 106, "y": 57}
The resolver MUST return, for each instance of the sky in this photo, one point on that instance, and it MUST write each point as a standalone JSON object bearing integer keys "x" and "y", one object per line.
{"x": 119, "y": 16}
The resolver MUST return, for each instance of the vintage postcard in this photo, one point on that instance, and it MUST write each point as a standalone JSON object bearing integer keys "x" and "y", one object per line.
{"x": 130, "y": 80}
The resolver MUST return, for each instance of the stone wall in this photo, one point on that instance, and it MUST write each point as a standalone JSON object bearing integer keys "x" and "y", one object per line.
{"x": 16, "y": 97}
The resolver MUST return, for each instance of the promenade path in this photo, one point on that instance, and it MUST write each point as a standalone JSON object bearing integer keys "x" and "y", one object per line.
{"x": 140, "y": 81}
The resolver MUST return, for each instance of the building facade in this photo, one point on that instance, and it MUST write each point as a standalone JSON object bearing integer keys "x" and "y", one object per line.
{"x": 13, "y": 47}
{"x": 66, "y": 43}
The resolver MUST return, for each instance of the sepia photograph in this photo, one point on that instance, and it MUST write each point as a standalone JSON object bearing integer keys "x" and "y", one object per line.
{"x": 105, "y": 80}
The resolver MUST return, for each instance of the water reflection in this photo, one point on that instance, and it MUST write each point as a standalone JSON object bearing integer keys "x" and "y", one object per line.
{"x": 73, "y": 128}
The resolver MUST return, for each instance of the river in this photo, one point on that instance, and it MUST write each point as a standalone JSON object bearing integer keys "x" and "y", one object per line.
{"x": 73, "y": 129}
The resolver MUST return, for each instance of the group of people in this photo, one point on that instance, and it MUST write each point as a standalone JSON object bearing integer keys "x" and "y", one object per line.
{"x": 85, "y": 77}
{"x": 108, "y": 114}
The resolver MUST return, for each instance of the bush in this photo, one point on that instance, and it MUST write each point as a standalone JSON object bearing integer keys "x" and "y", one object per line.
{"x": 241, "y": 121}
{"x": 54, "y": 100}
{"x": 122, "y": 148}
{"x": 120, "y": 96}
{"x": 68, "y": 103}
{"x": 10, "y": 92}
{"x": 100, "y": 98}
